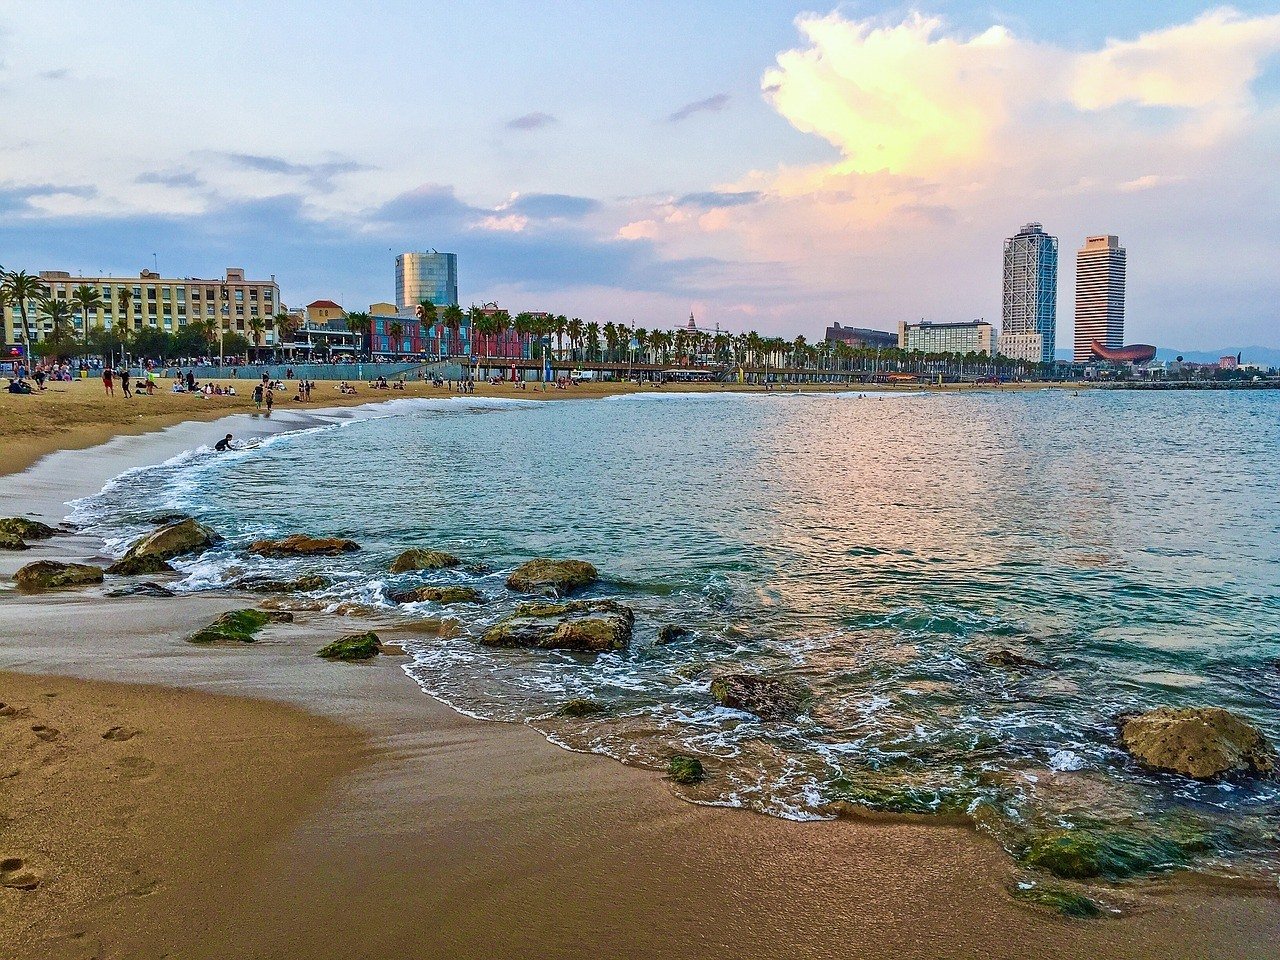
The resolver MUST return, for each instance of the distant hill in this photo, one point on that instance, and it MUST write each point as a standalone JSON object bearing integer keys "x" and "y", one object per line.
{"x": 1267, "y": 356}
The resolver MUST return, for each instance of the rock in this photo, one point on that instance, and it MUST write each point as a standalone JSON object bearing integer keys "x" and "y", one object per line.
{"x": 239, "y": 626}
{"x": 26, "y": 529}
{"x": 11, "y": 541}
{"x": 354, "y": 646}
{"x": 1014, "y": 661}
{"x": 1083, "y": 854}
{"x": 1066, "y": 902}
{"x": 423, "y": 560}
{"x": 135, "y": 566}
{"x": 144, "y": 589}
{"x": 556, "y": 577}
{"x": 441, "y": 595}
{"x": 769, "y": 698}
{"x": 305, "y": 584}
{"x": 1202, "y": 743}
{"x": 670, "y": 633}
{"x": 164, "y": 518}
{"x": 50, "y": 574}
{"x": 172, "y": 540}
{"x": 685, "y": 769}
{"x": 588, "y": 626}
{"x": 299, "y": 544}
{"x": 581, "y": 707}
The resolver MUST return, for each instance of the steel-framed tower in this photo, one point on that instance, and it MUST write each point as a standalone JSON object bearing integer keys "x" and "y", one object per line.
{"x": 1030, "y": 311}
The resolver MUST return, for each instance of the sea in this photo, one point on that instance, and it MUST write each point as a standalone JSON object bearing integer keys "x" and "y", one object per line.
{"x": 876, "y": 547}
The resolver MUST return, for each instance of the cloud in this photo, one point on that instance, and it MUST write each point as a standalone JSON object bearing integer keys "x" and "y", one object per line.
{"x": 551, "y": 206}
{"x": 712, "y": 104}
{"x": 60, "y": 73}
{"x": 42, "y": 198}
{"x": 174, "y": 179}
{"x": 532, "y": 121}
{"x": 719, "y": 198}
{"x": 320, "y": 176}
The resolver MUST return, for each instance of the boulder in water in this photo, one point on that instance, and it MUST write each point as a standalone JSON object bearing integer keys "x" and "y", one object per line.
{"x": 769, "y": 698}
{"x": 26, "y": 529}
{"x": 172, "y": 540}
{"x": 671, "y": 633}
{"x": 354, "y": 646}
{"x": 441, "y": 595}
{"x": 239, "y": 626}
{"x": 581, "y": 707}
{"x": 11, "y": 541}
{"x": 1202, "y": 743}
{"x": 144, "y": 589}
{"x": 304, "y": 584}
{"x": 1014, "y": 661}
{"x": 594, "y": 626}
{"x": 299, "y": 544}
{"x": 423, "y": 560}
{"x": 141, "y": 565}
{"x": 685, "y": 769}
{"x": 556, "y": 577}
{"x": 51, "y": 574}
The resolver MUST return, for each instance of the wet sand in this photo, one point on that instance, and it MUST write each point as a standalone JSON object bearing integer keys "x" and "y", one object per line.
{"x": 293, "y": 807}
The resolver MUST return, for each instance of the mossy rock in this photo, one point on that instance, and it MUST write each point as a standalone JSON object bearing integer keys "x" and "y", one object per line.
{"x": 584, "y": 626}
{"x": 26, "y": 529}
{"x": 1014, "y": 661}
{"x": 441, "y": 595}
{"x": 423, "y": 560}
{"x": 557, "y": 577}
{"x": 239, "y": 626}
{"x": 685, "y": 769}
{"x": 305, "y": 584}
{"x": 769, "y": 698}
{"x": 172, "y": 540}
{"x": 137, "y": 566}
{"x": 11, "y": 541}
{"x": 581, "y": 707}
{"x": 1086, "y": 853}
{"x": 51, "y": 574}
{"x": 1060, "y": 900}
{"x": 354, "y": 646}
{"x": 672, "y": 633}
{"x": 301, "y": 545}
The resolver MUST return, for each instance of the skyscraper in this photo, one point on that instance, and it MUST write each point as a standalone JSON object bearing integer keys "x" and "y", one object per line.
{"x": 1030, "y": 295}
{"x": 426, "y": 276}
{"x": 1100, "y": 269}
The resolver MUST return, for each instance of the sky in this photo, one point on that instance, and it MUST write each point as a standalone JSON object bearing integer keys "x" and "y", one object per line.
{"x": 766, "y": 165}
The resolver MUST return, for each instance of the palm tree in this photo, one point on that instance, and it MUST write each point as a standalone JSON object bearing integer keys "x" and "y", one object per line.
{"x": 17, "y": 288}
{"x": 286, "y": 325}
{"x": 83, "y": 299}
{"x": 58, "y": 313}
{"x": 575, "y": 327}
{"x": 257, "y": 327}
{"x": 396, "y": 330}
{"x": 361, "y": 323}
{"x": 453, "y": 318}
{"x": 593, "y": 340}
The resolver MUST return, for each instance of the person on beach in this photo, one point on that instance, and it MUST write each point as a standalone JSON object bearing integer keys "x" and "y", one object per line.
{"x": 107, "y": 384}
{"x": 271, "y": 400}
{"x": 124, "y": 384}
{"x": 223, "y": 445}
{"x": 257, "y": 396}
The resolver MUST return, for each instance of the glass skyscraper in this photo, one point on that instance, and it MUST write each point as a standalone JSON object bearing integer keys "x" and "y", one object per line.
{"x": 1030, "y": 295}
{"x": 426, "y": 276}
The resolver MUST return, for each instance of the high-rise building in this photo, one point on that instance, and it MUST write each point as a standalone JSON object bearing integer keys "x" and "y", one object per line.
{"x": 426, "y": 276}
{"x": 1030, "y": 295}
{"x": 1100, "y": 270}
{"x": 973, "y": 336}
{"x": 233, "y": 303}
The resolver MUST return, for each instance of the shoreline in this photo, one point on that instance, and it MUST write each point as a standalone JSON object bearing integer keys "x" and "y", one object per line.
{"x": 459, "y": 837}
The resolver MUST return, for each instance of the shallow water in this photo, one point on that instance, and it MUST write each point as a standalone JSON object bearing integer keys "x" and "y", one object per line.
{"x": 878, "y": 549}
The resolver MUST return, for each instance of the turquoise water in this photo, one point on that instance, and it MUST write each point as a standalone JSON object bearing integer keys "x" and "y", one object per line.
{"x": 878, "y": 549}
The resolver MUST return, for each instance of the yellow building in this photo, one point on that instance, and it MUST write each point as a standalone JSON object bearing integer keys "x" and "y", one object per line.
{"x": 383, "y": 310}
{"x": 157, "y": 302}
{"x": 322, "y": 311}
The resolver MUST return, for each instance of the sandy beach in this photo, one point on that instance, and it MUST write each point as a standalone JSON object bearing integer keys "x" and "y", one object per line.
{"x": 160, "y": 799}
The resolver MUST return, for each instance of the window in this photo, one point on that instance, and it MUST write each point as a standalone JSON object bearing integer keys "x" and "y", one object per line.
{"x": 239, "y": 296}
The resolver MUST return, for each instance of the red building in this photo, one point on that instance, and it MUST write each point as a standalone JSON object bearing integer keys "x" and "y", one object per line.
{"x": 505, "y": 344}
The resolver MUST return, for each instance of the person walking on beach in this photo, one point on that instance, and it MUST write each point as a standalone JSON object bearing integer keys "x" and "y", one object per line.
{"x": 271, "y": 400}
{"x": 257, "y": 396}
{"x": 107, "y": 384}
{"x": 124, "y": 384}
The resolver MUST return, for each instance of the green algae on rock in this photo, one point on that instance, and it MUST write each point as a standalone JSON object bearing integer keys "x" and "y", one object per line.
{"x": 26, "y": 529}
{"x": 1086, "y": 853}
{"x": 52, "y": 574}
{"x": 11, "y": 541}
{"x": 581, "y": 707}
{"x": 1060, "y": 900}
{"x": 556, "y": 577}
{"x": 423, "y": 560}
{"x": 304, "y": 584}
{"x": 354, "y": 646}
{"x": 685, "y": 769}
{"x": 172, "y": 540}
{"x": 140, "y": 565}
{"x": 595, "y": 626}
{"x": 441, "y": 595}
{"x": 769, "y": 698}
{"x": 239, "y": 626}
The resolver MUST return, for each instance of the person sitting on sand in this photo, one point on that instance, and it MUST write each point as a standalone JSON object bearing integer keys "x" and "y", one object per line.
{"x": 223, "y": 445}
{"x": 19, "y": 386}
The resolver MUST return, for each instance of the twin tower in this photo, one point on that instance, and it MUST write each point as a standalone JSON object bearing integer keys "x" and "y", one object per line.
{"x": 1030, "y": 310}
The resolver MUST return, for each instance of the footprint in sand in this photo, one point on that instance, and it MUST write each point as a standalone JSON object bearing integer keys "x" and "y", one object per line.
{"x": 120, "y": 734}
{"x": 15, "y": 874}
{"x": 135, "y": 768}
{"x": 9, "y": 710}
{"x": 45, "y": 733}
